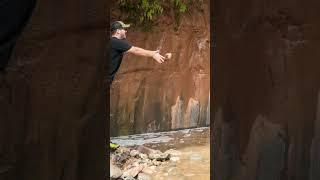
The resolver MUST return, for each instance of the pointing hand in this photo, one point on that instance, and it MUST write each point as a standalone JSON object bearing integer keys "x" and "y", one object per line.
{"x": 158, "y": 57}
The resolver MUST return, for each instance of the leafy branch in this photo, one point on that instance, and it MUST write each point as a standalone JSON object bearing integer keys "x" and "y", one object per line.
{"x": 144, "y": 13}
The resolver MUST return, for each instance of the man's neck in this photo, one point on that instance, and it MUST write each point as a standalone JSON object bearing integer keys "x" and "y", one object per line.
{"x": 116, "y": 36}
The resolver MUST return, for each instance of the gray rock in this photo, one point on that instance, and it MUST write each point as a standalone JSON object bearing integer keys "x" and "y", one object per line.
{"x": 142, "y": 176}
{"x": 143, "y": 156}
{"x": 145, "y": 160}
{"x": 123, "y": 150}
{"x": 149, "y": 163}
{"x": 115, "y": 172}
{"x": 120, "y": 159}
{"x": 136, "y": 163}
{"x": 159, "y": 156}
{"x": 156, "y": 163}
{"x": 152, "y": 156}
{"x": 133, "y": 172}
{"x": 145, "y": 164}
{"x": 134, "y": 153}
{"x": 146, "y": 150}
{"x": 148, "y": 170}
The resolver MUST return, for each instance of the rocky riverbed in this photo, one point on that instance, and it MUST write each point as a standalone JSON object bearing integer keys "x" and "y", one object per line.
{"x": 174, "y": 155}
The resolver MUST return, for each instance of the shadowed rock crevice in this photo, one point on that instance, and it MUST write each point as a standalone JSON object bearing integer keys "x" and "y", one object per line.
{"x": 52, "y": 98}
{"x": 266, "y": 90}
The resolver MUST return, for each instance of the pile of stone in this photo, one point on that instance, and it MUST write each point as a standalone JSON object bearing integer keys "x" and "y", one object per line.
{"x": 139, "y": 163}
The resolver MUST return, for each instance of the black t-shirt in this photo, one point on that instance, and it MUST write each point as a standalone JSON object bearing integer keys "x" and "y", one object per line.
{"x": 118, "y": 47}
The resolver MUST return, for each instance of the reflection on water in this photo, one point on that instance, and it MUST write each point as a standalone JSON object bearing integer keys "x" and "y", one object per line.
{"x": 166, "y": 140}
{"x": 194, "y": 164}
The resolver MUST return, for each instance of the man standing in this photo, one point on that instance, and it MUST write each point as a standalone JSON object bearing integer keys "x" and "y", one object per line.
{"x": 119, "y": 46}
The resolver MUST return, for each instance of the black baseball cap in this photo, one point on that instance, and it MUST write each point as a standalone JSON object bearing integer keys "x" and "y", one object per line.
{"x": 118, "y": 25}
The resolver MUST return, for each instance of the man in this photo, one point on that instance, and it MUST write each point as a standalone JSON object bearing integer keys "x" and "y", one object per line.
{"x": 119, "y": 46}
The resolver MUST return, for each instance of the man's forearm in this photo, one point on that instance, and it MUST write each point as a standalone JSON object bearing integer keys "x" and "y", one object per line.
{"x": 141, "y": 52}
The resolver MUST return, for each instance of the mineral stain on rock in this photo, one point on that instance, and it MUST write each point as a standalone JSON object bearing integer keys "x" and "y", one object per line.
{"x": 146, "y": 97}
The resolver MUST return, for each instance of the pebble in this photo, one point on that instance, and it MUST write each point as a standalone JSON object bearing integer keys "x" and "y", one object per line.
{"x": 155, "y": 162}
{"x": 134, "y": 153}
{"x": 143, "y": 156}
{"x": 159, "y": 156}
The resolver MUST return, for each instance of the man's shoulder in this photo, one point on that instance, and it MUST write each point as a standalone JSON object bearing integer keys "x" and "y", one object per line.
{"x": 115, "y": 41}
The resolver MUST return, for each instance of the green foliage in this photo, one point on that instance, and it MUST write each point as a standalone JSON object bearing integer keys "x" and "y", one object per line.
{"x": 180, "y": 5}
{"x": 144, "y": 13}
{"x": 141, "y": 12}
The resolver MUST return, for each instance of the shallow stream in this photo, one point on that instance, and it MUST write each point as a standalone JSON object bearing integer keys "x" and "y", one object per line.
{"x": 194, "y": 161}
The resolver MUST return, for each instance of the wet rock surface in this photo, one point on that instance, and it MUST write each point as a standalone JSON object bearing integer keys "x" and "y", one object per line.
{"x": 135, "y": 164}
{"x": 52, "y": 95}
{"x": 164, "y": 141}
{"x": 267, "y": 83}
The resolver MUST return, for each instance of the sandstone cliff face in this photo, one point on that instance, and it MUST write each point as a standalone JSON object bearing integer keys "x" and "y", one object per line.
{"x": 267, "y": 84}
{"x": 52, "y": 100}
{"x": 147, "y": 96}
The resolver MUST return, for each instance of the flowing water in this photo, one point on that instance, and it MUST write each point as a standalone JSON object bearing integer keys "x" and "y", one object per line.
{"x": 194, "y": 164}
{"x": 194, "y": 161}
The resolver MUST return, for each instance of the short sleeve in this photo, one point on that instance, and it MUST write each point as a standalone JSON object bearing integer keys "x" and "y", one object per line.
{"x": 121, "y": 45}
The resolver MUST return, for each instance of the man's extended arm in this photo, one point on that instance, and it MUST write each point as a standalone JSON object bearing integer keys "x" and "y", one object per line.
{"x": 146, "y": 53}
